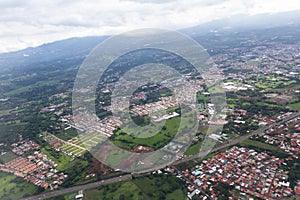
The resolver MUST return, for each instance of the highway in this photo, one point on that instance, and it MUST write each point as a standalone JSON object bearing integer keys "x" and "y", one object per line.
{"x": 238, "y": 139}
{"x": 77, "y": 188}
{"x": 129, "y": 176}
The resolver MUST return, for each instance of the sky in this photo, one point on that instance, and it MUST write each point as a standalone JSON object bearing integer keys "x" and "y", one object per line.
{"x": 30, "y": 23}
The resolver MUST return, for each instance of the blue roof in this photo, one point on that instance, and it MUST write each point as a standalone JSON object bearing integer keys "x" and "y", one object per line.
{"x": 196, "y": 173}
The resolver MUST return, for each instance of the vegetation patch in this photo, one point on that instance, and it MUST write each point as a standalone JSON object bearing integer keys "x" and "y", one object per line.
{"x": 260, "y": 146}
{"x": 13, "y": 187}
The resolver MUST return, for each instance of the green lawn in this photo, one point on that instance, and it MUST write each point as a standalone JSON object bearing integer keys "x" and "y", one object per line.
{"x": 12, "y": 187}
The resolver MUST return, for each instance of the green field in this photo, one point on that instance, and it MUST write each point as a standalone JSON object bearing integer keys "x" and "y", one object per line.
{"x": 61, "y": 159}
{"x": 157, "y": 139}
{"x": 264, "y": 104}
{"x": 28, "y": 88}
{"x": 295, "y": 106}
{"x": 68, "y": 134}
{"x": 160, "y": 187}
{"x": 12, "y": 187}
{"x": 140, "y": 188}
{"x": 260, "y": 146}
{"x": 145, "y": 188}
{"x": 160, "y": 139}
{"x": 124, "y": 190}
{"x": 68, "y": 196}
{"x": 115, "y": 157}
{"x": 193, "y": 149}
{"x": 7, "y": 157}
{"x": 269, "y": 82}
{"x": 5, "y": 112}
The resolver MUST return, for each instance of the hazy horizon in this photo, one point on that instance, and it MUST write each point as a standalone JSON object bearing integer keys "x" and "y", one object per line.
{"x": 32, "y": 23}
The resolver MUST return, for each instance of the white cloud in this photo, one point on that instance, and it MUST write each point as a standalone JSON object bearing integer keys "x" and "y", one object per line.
{"x": 33, "y": 22}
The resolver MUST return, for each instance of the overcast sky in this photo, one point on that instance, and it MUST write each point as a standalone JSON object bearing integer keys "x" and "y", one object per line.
{"x": 25, "y": 23}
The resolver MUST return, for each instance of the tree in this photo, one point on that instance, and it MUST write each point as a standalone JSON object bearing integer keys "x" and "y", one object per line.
{"x": 122, "y": 197}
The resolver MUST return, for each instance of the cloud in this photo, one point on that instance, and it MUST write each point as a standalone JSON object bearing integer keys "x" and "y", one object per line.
{"x": 151, "y": 1}
{"x": 33, "y": 22}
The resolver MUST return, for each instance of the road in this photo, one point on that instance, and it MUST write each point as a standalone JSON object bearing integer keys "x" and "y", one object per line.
{"x": 129, "y": 177}
{"x": 238, "y": 139}
{"x": 77, "y": 188}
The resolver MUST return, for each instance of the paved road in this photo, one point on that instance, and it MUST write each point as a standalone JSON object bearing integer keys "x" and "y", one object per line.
{"x": 129, "y": 177}
{"x": 77, "y": 188}
{"x": 238, "y": 139}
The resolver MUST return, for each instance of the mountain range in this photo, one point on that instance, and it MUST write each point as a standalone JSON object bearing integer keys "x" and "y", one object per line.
{"x": 215, "y": 35}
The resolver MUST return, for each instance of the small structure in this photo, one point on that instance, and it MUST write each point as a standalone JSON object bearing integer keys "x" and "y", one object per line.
{"x": 79, "y": 196}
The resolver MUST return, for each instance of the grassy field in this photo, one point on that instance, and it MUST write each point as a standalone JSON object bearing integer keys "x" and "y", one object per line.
{"x": 61, "y": 159}
{"x": 12, "y": 187}
{"x": 115, "y": 157}
{"x": 269, "y": 83}
{"x": 145, "y": 188}
{"x": 295, "y": 106}
{"x": 68, "y": 134}
{"x": 20, "y": 90}
{"x": 160, "y": 187}
{"x": 176, "y": 194}
{"x": 8, "y": 131}
{"x": 156, "y": 141}
{"x": 7, "y": 157}
{"x": 5, "y": 112}
{"x": 193, "y": 149}
{"x": 68, "y": 196}
{"x": 260, "y": 145}
{"x": 124, "y": 190}
{"x": 274, "y": 150}
{"x": 264, "y": 104}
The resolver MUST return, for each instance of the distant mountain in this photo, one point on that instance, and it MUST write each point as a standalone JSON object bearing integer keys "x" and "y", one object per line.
{"x": 245, "y": 22}
{"x": 214, "y": 36}
{"x": 73, "y": 48}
